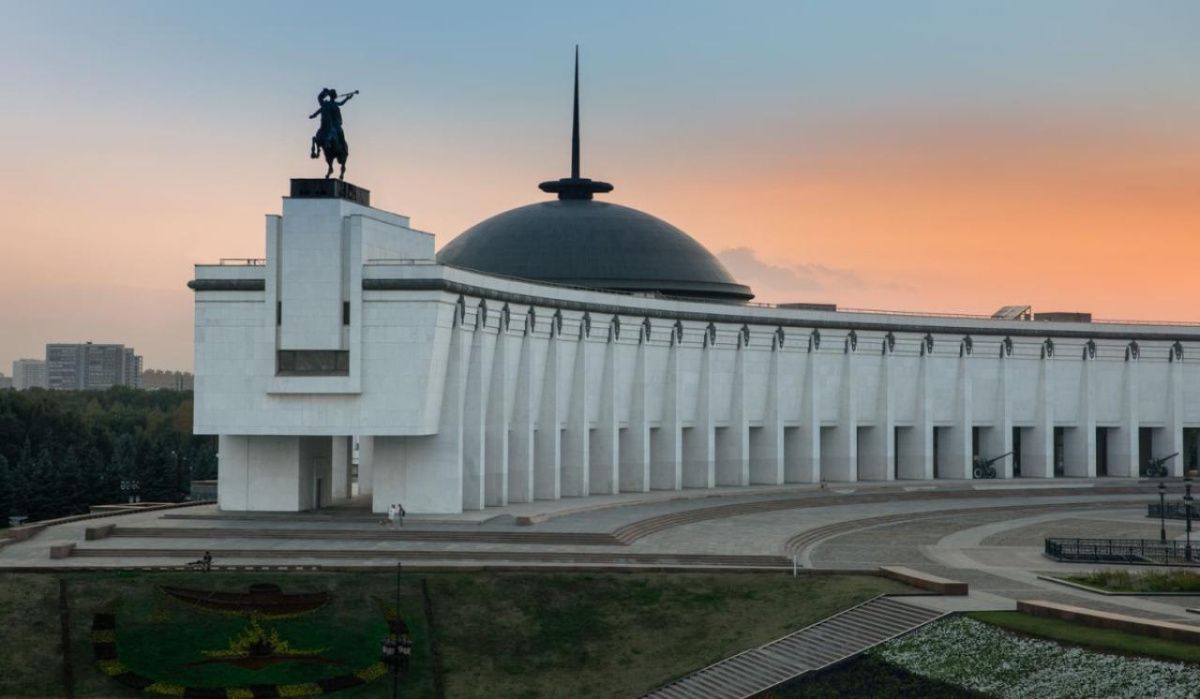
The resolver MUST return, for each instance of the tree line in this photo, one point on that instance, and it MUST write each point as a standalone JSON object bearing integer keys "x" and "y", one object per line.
{"x": 64, "y": 451}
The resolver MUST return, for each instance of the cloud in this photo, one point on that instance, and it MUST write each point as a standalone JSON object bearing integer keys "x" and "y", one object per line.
{"x": 747, "y": 268}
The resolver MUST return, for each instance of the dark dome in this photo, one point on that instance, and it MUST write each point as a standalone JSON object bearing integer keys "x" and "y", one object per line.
{"x": 582, "y": 242}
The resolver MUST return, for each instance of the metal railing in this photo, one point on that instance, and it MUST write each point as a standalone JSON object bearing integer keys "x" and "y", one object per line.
{"x": 1175, "y": 510}
{"x": 1138, "y": 551}
{"x": 242, "y": 262}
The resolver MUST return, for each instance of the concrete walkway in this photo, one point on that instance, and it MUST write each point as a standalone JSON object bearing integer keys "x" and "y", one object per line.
{"x": 986, "y": 533}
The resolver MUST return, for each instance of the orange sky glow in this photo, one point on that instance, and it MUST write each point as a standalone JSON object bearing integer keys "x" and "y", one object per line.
{"x": 939, "y": 161}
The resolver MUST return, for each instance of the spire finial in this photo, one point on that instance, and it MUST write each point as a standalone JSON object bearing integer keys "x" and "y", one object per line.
{"x": 575, "y": 187}
{"x": 575, "y": 123}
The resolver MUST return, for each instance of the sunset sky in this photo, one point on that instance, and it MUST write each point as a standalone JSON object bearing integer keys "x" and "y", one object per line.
{"x": 949, "y": 156}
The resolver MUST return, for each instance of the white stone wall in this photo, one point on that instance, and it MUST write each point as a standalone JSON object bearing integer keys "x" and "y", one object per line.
{"x": 476, "y": 391}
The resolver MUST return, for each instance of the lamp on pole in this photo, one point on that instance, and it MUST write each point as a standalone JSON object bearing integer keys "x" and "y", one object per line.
{"x": 397, "y": 645}
{"x": 1162, "y": 511}
{"x": 1187, "y": 513}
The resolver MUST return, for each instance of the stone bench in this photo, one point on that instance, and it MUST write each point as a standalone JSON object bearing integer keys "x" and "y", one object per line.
{"x": 101, "y": 532}
{"x": 924, "y": 581}
{"x": 62, "y": 550}
{"x": 1169, "y": 630}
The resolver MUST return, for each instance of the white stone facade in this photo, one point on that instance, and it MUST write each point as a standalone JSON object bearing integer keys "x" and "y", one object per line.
{"x": 467, "y": 390}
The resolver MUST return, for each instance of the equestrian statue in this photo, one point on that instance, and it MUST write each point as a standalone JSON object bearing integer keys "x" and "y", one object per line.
{"x": 330, "y": 137}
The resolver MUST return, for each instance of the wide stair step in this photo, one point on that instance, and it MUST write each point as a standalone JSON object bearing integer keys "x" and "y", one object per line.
{"x": 833, "y": 640}
{"x": 377, "y": 534}
{"x": 221, "y": 555}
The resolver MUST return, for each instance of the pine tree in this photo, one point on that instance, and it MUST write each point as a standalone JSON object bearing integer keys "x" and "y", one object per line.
{"x": 104, "y": 482}
{"x": 43, "y": 499}
{"x": 69, "y": 496}
{"x": 6, "y": 491}
{"x": 21, "y": 478}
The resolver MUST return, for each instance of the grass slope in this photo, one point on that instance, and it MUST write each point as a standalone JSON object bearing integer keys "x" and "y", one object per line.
{"x": 1089, "y": 637}
{"x": 499, "y": 634}
{"x": 1141, "y": 580}
{"x": 576, "y": 635}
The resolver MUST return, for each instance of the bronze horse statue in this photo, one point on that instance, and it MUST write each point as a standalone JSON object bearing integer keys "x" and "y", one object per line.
{"x": 330, "y": 137}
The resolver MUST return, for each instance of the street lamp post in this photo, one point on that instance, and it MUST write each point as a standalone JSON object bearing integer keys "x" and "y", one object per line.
{"x": 1162, "y": 511}
{"x": 397, "y": 645}
{"x": 1187, "y": 513}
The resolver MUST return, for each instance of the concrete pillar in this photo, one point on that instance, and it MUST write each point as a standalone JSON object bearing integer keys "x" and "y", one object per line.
{"x": 839, "y": 447}
{"x": 524, "y": 410}
{"x": 604, "y": 460}
{"x": 1123, "y": 440}
{"x": 956, "y": 453}
{"x": 547, "y": 457}
{"x": 1079, "y": 442}
{"x": 635, "y": 447}
{"x": 233, "y": 475}
{"x": 802, "y": 455}
{"x": 479, "y": 367}
{"x": 496, "y": 422}
{"x": 877, "y": 449}
{"x": 1169, "y": 440}
{"x": 340, "y": 468}
{"x": 666, "y": 467}
{"x": 576, "y": 437}
{"x": 699, "y": 447}
{"x": 732, "y": 447}
{"x": 766, "y": 444}
{"x": 1037, "y": 445}
{"x": 915, "y": 450}
{"x": 998, "y": 439}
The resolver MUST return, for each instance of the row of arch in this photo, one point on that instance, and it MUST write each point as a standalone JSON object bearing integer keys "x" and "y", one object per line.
{"x": 966, "y": 346}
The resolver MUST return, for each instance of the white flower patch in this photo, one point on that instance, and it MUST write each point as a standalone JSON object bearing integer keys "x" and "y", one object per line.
{"x": 979, "y": 656}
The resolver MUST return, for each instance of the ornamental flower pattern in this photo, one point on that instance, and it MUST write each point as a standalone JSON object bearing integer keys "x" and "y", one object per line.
{"x": 982, "y": 657}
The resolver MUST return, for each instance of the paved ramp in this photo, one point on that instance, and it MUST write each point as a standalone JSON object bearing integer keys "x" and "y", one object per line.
{"x": 841, "y": 636}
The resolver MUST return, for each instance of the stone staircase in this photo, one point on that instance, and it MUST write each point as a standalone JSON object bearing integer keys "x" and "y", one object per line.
{"x": 375, "y": 534}
{"x": 827, "y": 642}
{"x": 224, "y": 554}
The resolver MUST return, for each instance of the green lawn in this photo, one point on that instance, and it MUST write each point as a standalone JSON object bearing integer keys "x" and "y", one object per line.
{"x": 498, "y": 634}
{"x": 1141, "y": 580}
{"x": 1089, "y": 637}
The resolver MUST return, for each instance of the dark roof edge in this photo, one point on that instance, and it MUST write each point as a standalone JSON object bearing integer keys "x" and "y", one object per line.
{"x": 227, "y": 284}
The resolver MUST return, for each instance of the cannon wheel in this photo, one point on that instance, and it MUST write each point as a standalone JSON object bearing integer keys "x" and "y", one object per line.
{"x": 978, "y": 472}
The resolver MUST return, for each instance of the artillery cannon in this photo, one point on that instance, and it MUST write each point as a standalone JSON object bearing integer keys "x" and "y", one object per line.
{"x": 1157, "y": 468}
{"x": 983, "y": 467}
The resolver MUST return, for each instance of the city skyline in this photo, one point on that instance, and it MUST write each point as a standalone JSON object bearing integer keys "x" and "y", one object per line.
{"x": 927, "y": 157}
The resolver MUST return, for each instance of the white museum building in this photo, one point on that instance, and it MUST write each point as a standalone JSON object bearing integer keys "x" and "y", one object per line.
{"x": 575, "y": 347}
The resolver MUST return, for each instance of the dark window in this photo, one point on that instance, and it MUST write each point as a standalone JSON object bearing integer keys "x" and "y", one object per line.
{"x": 314, "y": 362}
{"x": 279, "y": 312}
{"x": 345, "y": 312}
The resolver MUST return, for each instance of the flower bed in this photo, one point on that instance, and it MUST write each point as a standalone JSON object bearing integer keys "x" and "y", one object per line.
{"x": 987, "y": 659}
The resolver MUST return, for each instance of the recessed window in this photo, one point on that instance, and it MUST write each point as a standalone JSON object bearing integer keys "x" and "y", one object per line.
{"x": 313, "y": 362}
{"x": 345, "y": 312}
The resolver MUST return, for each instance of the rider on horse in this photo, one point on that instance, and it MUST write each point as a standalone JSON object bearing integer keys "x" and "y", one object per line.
{"x": 330, "y": 135}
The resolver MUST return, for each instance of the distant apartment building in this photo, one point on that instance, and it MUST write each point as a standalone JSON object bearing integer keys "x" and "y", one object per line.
{"x": 29, "y": 373}
{"x": 88, "y": 366}
{"x": 155, "y": 379}
{"x": 5, "y": 382}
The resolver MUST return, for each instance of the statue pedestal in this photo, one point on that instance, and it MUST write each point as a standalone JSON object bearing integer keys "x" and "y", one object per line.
{"x": 330, "y": 189}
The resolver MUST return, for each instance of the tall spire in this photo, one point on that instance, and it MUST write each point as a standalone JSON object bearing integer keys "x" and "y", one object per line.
{"x": 575, "y": 123}
{"x": 575, "y": 187}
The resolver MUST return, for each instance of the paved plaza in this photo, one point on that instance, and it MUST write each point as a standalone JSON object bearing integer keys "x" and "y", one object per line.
{"x": 989, "y": 535}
